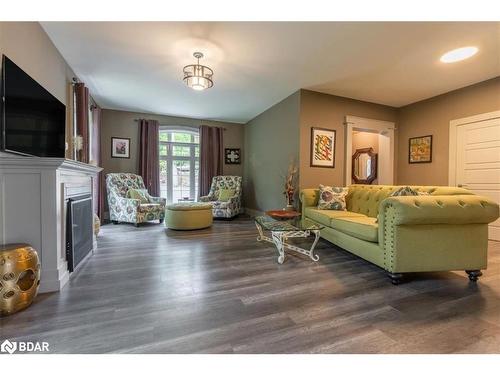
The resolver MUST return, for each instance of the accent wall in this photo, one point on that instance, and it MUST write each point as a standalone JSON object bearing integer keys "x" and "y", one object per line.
{"x": 271, "y": 142}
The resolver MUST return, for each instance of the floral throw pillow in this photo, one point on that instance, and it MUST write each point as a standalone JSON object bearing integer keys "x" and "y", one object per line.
{"x": 332, "y": 198}
{"x": 404, "y": 191}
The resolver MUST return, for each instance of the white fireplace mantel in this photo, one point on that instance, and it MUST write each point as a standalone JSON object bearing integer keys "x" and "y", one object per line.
{"x": 33, "y": 193}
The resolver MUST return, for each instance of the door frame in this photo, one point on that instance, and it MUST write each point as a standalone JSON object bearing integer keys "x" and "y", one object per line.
{"x": 385, "y": 128}
{"x": 454, "y": 124}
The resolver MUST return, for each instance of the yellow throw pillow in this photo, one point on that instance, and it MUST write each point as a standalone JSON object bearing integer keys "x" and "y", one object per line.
{"x": 141, "y": 194}
{"x": 226, "y": 194}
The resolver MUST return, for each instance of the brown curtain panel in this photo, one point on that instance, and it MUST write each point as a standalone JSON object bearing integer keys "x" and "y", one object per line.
{"x": 211, "y": 156}
{"x": 149, "y": 163}
{"x": 82, "y": 119}
{"x": 95, "y": 148}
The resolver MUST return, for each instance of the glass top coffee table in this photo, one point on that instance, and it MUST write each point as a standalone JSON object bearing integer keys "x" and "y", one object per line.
{"x": 282, "y": 230}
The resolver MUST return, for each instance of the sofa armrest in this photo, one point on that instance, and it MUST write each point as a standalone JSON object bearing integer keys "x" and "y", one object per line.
{"x": 205, "y": 198}
{"x": 438, "y": 209}
{"x": 309, "y": 197}
{"x": 158, "y": 200}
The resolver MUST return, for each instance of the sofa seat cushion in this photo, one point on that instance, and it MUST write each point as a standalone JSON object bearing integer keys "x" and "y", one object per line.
{"x": 325, "y": 216}
{"x": 362, "y": 227}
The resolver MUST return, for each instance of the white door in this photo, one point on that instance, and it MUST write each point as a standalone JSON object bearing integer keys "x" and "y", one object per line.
{"x": 478, "y": 162}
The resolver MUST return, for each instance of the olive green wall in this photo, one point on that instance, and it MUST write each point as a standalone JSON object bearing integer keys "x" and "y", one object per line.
{"x": 27, "y": 44}
{"x": 123, "y": 124}
{"x": 271, "y": 141}
{"x": 432, "y": 117}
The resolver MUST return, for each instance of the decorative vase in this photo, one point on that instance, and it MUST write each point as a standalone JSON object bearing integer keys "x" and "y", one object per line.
{"x": 19, "y": 277}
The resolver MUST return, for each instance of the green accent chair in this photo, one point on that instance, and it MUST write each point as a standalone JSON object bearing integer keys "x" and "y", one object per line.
{"x": 230, "y": 207}
{"x": 444, "y": 230}
{"x": 128, "y": 210}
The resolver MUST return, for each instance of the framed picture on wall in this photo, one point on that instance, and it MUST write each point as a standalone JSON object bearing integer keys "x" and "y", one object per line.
{"x": 322, "y": 148}
{"x": 120, "y": 148}
{"x": 420, "y": 149}
{"x": 232, "y": 156}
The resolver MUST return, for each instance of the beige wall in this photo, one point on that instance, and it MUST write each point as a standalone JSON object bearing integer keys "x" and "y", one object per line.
{"x": 27, "y": 44}
{"x": 329, "y": 111}
{"x": 271, "y": 141}
{"x": 122, "y": 124}
{"x": 432, "y": 117}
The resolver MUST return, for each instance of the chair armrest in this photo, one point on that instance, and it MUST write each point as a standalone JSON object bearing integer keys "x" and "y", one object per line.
{"x": 438, "y": 209}
{"x": 128, "y": 202}
{"x": 158, "y": 200}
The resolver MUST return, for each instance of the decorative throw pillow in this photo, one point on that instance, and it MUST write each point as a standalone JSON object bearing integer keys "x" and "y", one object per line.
{"x": 141, "y": 194}
{"x": 404, "y": 191}
{"x": 225, "y": 194}
{"x": 332, "y": 198}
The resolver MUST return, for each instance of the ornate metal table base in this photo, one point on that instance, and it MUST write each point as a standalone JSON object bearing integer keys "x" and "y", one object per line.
{"x": 279, "y": 238}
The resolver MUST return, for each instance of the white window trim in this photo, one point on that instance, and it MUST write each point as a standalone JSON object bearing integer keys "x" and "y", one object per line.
{"x": 169, "y": 158}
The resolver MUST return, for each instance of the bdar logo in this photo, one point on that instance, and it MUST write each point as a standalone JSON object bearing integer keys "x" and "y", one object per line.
{"x": 8, "y": 347}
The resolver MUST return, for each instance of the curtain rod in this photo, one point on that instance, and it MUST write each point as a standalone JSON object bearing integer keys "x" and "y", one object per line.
{"x": 139, "y": 119}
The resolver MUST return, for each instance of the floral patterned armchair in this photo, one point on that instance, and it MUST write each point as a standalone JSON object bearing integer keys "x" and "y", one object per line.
{"x": 227, "y": 209}
{"x": 123, "y": 209}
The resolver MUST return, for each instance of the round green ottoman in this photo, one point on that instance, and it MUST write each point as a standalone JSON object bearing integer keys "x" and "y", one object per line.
{"x": 188, "y": 216}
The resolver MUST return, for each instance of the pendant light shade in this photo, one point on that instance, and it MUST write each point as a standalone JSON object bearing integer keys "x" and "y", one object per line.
{"x": 198, "y": 77}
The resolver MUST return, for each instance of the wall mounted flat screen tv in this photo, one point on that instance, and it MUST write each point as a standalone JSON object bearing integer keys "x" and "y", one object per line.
{"x": 33, "y": 120}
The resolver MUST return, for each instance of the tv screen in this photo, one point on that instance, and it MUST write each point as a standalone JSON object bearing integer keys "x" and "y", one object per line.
{"x": 33, "y": 120}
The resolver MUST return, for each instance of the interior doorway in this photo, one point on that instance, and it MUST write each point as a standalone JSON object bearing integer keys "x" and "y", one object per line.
{"x": 475, "y": 158}
{"x": 362, "y": 133}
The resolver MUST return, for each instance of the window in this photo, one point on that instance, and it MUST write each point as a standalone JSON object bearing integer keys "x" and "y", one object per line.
{"x": 179, "y": 163}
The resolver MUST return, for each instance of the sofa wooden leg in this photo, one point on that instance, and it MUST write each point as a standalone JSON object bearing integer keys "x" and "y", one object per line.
{"x": 161, "y": 221}
{"x": 115, "y": 222}
{"x": 396, "y": 278}
{"x": 474, "y": 274}
{"x": 136, "y": 225}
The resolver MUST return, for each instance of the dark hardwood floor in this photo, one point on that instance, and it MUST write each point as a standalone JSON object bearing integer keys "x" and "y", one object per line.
{"x": 151, "y": 290}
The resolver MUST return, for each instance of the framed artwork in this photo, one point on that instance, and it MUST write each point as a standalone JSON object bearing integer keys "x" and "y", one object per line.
{"x": 120, "y": 148}
{"x": 420, "y": 149}
{"x": 232, "y": 156}
{"x": 322, "y": 148}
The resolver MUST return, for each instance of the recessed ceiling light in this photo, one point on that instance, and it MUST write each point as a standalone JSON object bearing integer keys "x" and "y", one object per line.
{"x": 458, "y": 54}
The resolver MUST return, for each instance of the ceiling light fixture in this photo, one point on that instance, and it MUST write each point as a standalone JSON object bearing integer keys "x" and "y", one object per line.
{"x": 196, "y": 76}
{"x": 458, "y": 54}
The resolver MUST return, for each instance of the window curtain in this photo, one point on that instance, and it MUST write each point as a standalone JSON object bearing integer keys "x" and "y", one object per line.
{"x": 211, "y": 156}
{"x": 82, "y": 120}
{"x": 96, "y": 159}
{"x": 149, "y": 163}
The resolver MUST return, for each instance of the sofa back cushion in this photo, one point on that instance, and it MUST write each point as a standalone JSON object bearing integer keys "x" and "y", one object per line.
{"x": 365, "y": 199}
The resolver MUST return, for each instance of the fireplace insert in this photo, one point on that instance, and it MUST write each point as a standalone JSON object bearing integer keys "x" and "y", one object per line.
{"x": 79, "y": 232}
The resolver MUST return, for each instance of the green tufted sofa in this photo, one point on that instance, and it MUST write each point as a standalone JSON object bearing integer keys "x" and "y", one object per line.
{"x": 443, "y": 231}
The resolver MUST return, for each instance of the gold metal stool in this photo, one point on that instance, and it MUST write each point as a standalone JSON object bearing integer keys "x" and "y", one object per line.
{"x": 19, "y": 277}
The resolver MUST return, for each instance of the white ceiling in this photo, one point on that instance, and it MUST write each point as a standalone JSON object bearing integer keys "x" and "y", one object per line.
{"x": 137, "y": 66}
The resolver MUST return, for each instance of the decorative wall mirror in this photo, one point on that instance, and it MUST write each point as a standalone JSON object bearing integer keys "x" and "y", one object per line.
{"x": 364, "y": 166}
